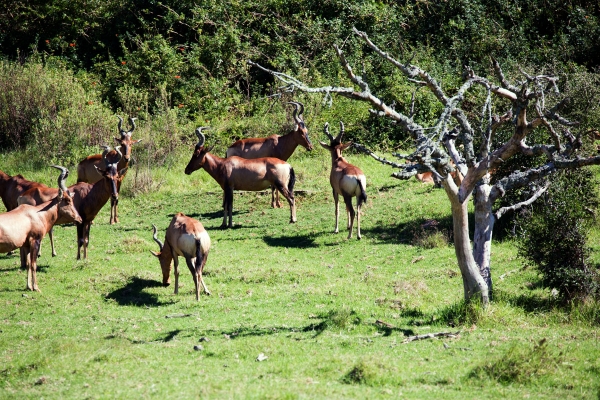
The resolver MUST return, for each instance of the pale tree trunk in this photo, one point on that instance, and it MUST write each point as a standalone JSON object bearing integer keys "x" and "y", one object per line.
{"x": 473, "y": 283}
{"x": 482, "y": 237}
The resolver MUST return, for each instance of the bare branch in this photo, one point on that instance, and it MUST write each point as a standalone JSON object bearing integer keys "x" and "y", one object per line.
{"x": 498, "y": 214}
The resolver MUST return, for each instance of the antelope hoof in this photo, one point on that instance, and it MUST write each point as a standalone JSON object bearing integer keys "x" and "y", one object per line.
{"x": 10, "y": 253}
{"x": 293, "y": 221}
{"x": 207, "y": 292}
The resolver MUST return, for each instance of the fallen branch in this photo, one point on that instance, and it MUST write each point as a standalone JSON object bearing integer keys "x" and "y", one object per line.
{"x": 385, "y": 324}
{"x": 178, "y": 315}
{"x": 430, "y": 336}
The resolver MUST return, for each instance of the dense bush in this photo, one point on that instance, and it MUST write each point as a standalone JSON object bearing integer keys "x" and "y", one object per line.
{"x": 555, "y": 235}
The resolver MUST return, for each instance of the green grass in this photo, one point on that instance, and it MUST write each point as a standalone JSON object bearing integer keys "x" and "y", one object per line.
{"x": 306, "y": 298}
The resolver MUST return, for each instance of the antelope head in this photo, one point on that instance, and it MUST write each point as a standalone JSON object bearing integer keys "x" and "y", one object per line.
{"x": 111, "y": 172}
{"x": 163, "y": 257}
{"x": 125, "y": 140}
{"x": 198, "y": 158}
{"x": 335, "y": 144}
{"x": 300, "y": 130}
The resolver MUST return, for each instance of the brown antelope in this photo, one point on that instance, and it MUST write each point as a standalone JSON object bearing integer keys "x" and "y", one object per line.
{"x": 187, "y": 238}
{"x": 236, "y": 173}
{"x": 11, "y": 187}
{"x": 281, "y": 147}
{"x": 26, "y": 225}
{"x": 345, "y": 179}
{"x": 87, "y": 169}
{"x": 88, "y": 198}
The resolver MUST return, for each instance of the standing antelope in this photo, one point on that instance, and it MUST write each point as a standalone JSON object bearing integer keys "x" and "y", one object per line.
{"x": 281, "y": 147}
{"x": 187, "y": 238}
{"x": 236, "y": 173}
{"x": 345, "y": 179}
{"x": 11, "y": 187}
{"x": 26, "y": 225}
{"x": 88, "y": 198}
{"x": 87, "y": 169}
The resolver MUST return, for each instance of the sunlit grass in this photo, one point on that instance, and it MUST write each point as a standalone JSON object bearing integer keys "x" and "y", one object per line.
{"x": 309, "y": 300}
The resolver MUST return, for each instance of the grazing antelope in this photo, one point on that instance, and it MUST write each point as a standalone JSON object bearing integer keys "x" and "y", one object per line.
{"x": 236, "y": 173}
{"x": 87, "y": 169}
{"x": 281, "y": 147}
{"x": 345, "y": 179}
{"x": 88, "y": 198}
{"x": 187, "y": 238}
{"x": 25, "y": 226}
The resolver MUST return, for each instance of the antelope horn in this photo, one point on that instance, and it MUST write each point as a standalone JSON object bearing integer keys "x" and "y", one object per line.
{"x": 120, "y": 154}
{"x": 120, "y": 122}
{"x": 301, "y": 112}
{"x": 104, "y": 153}
{"x": 160, "y": 244}
{"x": 132, "y": 123}
{"x": 341, "y": 134}
{"x": 326, "y": 130}
{"x": 62, "y": 188}
{"x": 201, "y": 135}
{"x": 296, "y": 105}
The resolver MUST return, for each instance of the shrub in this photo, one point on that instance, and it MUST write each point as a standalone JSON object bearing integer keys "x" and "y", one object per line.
{"x": 555, "y": 237}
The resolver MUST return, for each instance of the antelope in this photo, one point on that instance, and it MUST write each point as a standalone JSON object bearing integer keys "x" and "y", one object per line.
{"x": 88, "y": 198}
{"x": 345, "y": 179}
{"x": 87, "y": 169}
{"x": 26, "y": 225}
{"x": 11, "y": 187}
{"x": 187, "y": 238}
{"x": 236, "y": 173}
{"x": 281, "y": 147}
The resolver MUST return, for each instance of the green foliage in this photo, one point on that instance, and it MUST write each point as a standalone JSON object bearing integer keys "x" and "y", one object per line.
{"x": 555, "y": 236}
{"x": 46, "y": 109}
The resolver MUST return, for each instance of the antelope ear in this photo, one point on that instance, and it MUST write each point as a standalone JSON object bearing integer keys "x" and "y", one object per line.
{"x": 123, "y": 171}
{"x": 295, "y": 127}
{"x": 118, "y": 140}
{"x": 346, "y": 145}
{"x": 155, "y": 253}
{"x": 325, "y": 146}
{"x": 136, "y": 141}
{"x": 100, "y": 170}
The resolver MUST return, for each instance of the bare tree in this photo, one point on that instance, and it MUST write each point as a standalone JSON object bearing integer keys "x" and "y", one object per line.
{"x": 467, "y": 147}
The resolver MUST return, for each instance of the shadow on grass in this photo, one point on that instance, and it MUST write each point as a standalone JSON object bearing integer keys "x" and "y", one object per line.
{"x": 296, "y": 241}
{"x": 133, "y": 293}
{"x": 404, "y": 233}
{"x": 529, "y": 302}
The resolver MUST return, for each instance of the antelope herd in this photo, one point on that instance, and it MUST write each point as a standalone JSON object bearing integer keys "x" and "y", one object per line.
{"x": 253, "y": 164}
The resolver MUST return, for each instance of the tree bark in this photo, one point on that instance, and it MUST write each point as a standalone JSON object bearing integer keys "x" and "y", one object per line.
{"x": 482, "y": 236}
{"x": 473, "y": 283}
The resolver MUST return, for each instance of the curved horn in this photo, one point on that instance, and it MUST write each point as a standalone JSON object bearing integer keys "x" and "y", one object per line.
{"x": 160, "y": 244}
{"x": 62, "y": 188}
{"x": 120, "y": 122}
{"x": 341, "y": 134}
{"x": 201, "y": 135}
{"x": 132, "y": 123}
{"x": 296, "y": 106}
{"x": 301, "y": 112}
{"x": 104, "y": 153}
{"x": 326, "y": 131}
{"x": 120, "y": 154}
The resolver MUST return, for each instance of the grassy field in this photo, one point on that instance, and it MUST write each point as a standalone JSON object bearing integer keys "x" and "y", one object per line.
{"x": 305, "y": 298}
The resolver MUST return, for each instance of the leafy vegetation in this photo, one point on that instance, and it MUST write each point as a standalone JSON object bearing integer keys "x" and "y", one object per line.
{"x": 311, "y": 301}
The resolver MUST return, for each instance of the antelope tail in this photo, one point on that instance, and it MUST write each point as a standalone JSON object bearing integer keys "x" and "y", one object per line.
{"x": 292, "y": 180}
{"x": 362, "y": 198}
{"x": 198, "y": 254}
